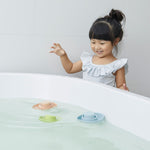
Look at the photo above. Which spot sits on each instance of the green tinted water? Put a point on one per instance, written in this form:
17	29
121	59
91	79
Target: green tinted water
20	129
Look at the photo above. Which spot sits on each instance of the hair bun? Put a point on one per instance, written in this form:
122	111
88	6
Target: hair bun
117	15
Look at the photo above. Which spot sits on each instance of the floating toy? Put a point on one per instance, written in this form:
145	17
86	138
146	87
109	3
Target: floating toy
90	117
48	118
44	105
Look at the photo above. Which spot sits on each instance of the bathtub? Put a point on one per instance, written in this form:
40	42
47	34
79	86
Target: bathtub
123	109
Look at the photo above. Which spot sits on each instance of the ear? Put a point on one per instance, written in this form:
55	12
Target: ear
116	41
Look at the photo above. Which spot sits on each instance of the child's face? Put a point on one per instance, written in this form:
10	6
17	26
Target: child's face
101	48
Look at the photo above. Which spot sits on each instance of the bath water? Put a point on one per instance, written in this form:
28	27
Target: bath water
21	129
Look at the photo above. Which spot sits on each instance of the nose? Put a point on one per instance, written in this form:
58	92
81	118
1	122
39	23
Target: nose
97	47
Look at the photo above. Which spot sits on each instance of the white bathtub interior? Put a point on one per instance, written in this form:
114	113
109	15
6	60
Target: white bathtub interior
121	108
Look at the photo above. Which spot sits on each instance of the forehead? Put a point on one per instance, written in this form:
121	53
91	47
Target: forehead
97	40
101	41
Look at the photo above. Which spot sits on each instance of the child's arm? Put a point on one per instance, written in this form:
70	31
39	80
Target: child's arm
120	79
67	64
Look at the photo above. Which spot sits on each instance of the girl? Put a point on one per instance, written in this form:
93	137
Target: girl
105	33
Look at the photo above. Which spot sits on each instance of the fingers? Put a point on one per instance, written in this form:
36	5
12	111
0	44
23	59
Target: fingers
56	45
59	45
125	87
57	49
53	47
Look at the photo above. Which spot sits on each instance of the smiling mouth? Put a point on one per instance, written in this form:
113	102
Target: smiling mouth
99	52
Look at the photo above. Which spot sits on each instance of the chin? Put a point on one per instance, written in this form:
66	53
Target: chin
100	56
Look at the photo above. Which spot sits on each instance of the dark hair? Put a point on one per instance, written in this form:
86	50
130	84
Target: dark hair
109	27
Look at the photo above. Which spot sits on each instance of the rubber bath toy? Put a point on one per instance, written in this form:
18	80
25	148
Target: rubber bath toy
90	117
48	118
44	105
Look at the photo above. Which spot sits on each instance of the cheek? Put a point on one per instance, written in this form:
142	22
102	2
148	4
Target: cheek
108	48
92	47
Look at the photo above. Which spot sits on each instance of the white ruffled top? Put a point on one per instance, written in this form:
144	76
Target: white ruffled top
101	73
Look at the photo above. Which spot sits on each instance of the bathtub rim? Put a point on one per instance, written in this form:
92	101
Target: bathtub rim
142	97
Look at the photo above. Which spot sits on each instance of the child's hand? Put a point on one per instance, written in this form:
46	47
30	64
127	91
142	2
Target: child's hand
124	87
58	50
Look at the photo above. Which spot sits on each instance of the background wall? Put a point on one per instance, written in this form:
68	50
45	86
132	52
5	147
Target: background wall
28	28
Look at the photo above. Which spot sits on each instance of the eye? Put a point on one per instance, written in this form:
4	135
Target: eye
102	43
93	42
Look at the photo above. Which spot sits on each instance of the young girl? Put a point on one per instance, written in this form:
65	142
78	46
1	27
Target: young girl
105	33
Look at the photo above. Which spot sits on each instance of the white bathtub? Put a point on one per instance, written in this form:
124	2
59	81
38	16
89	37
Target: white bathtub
126	110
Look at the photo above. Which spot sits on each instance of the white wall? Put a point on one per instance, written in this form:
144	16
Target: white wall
29	27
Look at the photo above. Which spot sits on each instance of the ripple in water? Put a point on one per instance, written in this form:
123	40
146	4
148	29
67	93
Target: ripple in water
21	128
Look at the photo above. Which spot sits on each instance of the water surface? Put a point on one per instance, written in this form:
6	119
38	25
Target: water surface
21	129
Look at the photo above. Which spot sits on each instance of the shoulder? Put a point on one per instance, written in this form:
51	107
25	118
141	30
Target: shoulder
121	63
85	57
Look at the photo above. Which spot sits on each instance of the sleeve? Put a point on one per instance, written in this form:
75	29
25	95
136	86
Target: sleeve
123	62
85	58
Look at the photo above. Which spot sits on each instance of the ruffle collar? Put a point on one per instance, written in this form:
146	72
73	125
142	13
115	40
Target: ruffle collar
102	70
